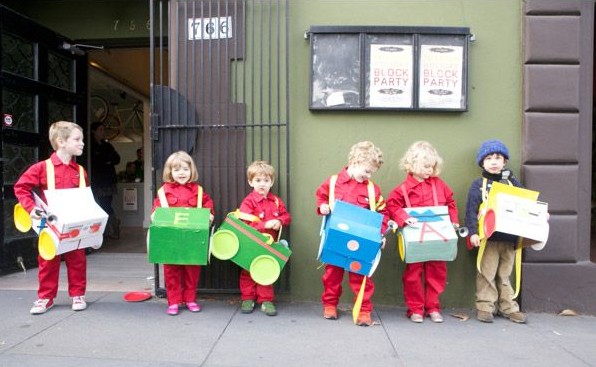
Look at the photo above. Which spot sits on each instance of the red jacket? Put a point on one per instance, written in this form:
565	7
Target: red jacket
183	196
352	192
265	208
35	179
420	194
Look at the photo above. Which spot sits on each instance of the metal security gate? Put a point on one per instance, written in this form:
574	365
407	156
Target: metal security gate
43	79
219	77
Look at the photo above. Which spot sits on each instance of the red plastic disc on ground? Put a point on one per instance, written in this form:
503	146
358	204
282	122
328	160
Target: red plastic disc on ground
136	296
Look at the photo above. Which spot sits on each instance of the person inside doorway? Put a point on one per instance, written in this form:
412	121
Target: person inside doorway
104	159
139	172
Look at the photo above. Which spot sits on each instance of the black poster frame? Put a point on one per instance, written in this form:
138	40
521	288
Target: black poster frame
389	68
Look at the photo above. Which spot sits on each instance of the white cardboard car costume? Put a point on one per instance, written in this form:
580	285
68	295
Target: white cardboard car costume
72	220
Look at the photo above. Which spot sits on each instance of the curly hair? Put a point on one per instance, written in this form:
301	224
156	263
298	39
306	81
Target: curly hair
419	154
365	152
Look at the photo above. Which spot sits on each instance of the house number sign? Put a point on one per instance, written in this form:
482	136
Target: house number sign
209	28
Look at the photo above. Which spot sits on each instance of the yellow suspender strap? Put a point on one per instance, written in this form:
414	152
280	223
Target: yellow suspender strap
371	193
358	303
161	194
371	196
200	196
483	238
518	267
246	216
51	175
332	182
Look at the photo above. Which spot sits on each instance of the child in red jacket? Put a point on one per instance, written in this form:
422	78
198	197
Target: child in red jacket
180	189
266	213
67	140
351	185
422	187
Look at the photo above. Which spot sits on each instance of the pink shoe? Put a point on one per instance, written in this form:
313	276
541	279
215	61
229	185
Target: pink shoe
193	306
172	310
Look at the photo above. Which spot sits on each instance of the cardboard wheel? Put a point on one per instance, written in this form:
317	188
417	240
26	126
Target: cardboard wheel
400	246
264	270
225	244
46	246
22	220
489	223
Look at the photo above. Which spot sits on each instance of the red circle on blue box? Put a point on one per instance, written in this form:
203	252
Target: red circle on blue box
7	120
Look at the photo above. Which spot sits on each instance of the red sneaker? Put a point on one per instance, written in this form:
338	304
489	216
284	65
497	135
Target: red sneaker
364	319
330	312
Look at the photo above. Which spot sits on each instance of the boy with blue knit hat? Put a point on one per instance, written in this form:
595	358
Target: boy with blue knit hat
494	293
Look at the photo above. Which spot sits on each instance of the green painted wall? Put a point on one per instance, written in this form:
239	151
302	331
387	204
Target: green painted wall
320	141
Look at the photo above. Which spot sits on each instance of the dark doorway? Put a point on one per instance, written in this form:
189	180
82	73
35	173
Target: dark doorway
43	79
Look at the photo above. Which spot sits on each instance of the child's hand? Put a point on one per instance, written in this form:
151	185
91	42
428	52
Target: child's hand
274	224
36	213
324	209
383	241
475	240
411	221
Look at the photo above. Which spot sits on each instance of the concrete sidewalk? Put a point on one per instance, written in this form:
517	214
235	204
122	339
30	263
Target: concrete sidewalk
112	332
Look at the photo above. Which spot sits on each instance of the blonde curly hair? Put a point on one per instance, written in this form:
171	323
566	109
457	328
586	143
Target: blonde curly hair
419	154
365	152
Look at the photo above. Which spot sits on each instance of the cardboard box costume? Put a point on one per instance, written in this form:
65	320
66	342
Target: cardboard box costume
351	238
250	249
432	238
179	235
61	228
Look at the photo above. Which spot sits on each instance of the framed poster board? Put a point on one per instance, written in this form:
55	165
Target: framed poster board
389	68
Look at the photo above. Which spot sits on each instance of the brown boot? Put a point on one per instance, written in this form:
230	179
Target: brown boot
484	316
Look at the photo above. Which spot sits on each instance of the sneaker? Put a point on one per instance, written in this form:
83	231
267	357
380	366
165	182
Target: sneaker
364	319
330	312
268	308
41	306
517	317
78	303
247	306
436	317
172	310
484	316
193	306
417	318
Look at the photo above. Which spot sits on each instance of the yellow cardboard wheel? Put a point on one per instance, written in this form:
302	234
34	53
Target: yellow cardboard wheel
264	270
22	220
46	246
225	244
400	246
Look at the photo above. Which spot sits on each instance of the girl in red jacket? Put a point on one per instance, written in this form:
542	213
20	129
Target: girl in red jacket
181	189
422	187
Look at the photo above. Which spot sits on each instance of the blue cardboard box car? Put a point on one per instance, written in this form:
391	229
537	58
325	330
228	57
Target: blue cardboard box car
351	238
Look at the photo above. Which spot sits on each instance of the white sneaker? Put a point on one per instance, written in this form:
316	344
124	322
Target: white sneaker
78	303
41	306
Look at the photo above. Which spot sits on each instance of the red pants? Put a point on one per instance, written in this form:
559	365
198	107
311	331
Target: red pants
250	290
332	280
49	273
423	297
181	283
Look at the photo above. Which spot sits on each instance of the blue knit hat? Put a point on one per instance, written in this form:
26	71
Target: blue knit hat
491	147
